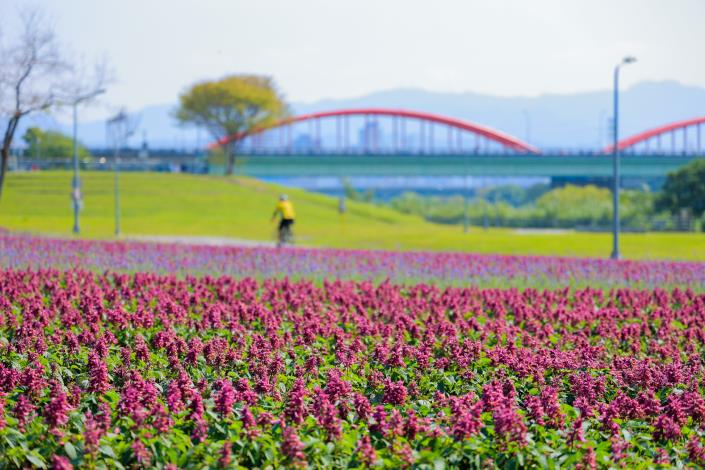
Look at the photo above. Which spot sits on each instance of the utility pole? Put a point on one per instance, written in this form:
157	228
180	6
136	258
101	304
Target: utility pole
615	160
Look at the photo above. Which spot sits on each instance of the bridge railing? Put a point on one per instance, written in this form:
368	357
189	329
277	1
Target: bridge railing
249	151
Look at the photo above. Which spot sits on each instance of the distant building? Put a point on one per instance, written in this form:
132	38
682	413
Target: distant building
370	136
303	143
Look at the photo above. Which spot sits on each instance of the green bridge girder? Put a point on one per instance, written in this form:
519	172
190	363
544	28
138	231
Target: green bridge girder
572	166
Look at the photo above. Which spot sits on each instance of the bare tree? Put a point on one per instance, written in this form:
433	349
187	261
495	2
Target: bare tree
35	76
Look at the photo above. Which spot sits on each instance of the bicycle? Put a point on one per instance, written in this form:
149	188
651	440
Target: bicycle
285	235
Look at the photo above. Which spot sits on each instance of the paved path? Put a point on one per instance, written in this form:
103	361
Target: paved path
199	240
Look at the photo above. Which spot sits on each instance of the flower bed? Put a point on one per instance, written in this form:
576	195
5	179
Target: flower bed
115	370
321	264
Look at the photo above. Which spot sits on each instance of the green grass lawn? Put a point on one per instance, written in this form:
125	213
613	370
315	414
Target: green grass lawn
237	207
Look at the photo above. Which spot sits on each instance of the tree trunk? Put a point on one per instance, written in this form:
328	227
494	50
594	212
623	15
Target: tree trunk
229	159
5	151
3	166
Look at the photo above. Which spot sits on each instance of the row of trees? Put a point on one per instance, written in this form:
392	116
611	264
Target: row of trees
680	203
41	143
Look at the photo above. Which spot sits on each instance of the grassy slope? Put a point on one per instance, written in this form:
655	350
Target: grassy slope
166	204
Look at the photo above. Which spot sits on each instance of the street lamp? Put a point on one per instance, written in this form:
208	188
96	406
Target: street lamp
119	129
615	159
76	182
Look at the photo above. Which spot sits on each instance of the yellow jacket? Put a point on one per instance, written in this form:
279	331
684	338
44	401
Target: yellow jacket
286	209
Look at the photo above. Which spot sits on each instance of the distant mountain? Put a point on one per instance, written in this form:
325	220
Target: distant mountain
155	124
548	121
577	120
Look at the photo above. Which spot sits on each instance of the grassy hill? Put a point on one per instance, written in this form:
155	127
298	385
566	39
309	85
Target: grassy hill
237	207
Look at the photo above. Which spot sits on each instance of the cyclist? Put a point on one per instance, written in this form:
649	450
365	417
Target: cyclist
285	209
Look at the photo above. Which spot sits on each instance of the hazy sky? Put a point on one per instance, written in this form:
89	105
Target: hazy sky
319	49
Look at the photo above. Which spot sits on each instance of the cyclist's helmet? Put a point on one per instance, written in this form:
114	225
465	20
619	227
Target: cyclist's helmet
283	197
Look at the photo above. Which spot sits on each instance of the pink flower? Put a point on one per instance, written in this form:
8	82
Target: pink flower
380	421
551	406
394	393
98	372
225	455
196	407
60	463
395	423
337	388
56	412
589	461
535	407
362	406
174	398
509	425
292	447
225	398
141	349
411	426
619	448
142	455
327	415
666	429
248	421
161	420
92	434
696	452
577	433
367	453
295	408
466	420
23	410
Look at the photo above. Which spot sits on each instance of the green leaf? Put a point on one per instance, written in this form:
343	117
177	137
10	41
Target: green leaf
70	450
107	450
36	460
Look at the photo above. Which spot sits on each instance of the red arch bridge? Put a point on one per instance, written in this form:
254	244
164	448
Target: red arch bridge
385	142
684	137
370	130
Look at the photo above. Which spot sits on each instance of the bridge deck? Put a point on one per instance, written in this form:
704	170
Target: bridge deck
634	166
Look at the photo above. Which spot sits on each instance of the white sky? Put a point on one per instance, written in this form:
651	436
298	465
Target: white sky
319	49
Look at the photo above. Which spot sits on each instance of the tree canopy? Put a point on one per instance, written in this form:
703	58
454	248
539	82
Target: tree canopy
685	189
230	108
50	144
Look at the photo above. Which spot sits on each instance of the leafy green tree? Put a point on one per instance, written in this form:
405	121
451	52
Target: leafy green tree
684	189
355	195
570	204
509	193
230	108
50	144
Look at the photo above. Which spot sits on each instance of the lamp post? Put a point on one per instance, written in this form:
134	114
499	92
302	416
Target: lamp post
76	182
119	129
466	219
615	159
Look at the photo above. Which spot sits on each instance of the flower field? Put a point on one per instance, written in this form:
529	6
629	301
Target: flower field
132	355
20	251
120	370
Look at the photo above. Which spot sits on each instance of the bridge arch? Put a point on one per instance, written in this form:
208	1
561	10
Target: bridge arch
657	132
508	141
